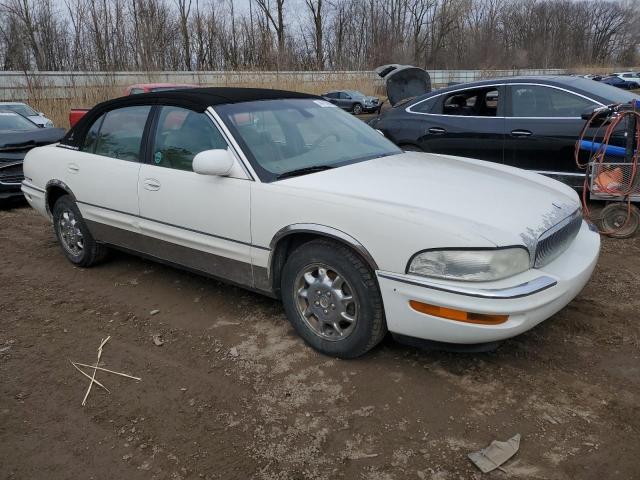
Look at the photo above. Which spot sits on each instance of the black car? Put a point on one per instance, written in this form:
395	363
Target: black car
18	135
353	101
526	122
625	84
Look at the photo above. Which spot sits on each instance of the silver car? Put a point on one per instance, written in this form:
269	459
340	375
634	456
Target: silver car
353	101
26	111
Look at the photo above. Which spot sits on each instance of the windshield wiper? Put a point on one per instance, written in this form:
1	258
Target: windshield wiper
303	171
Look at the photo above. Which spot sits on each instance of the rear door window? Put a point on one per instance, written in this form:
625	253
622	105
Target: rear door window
481	102
120	135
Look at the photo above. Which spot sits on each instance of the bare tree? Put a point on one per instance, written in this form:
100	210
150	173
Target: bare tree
184	9
317	14
276	19
325	34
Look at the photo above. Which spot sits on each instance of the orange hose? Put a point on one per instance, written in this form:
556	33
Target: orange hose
599	155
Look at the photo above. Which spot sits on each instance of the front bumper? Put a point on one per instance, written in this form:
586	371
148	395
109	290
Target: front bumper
36	197
528	298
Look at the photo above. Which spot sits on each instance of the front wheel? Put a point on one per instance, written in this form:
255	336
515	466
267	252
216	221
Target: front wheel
332	299
357	109
74	237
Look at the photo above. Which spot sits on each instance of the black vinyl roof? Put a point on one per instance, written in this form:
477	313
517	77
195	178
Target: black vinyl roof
197	99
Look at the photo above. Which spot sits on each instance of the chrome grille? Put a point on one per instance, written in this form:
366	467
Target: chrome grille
557	239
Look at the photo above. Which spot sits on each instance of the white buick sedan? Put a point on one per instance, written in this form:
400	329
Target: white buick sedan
285	194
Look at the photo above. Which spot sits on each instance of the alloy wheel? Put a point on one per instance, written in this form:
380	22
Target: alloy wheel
326	302
70	233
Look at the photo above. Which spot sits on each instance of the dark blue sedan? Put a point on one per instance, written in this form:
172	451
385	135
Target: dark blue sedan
527	122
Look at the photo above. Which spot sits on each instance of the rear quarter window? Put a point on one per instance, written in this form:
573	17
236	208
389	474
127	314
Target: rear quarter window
425	106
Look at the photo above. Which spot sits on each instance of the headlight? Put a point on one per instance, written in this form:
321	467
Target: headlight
471	265
48	124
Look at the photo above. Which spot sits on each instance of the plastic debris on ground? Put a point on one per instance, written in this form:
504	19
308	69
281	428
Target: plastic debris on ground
491	457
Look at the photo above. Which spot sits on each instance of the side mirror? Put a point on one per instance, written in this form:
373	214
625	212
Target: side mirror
213	162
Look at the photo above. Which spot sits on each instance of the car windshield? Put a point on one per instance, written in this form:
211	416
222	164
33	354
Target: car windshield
282	136
13	121
22	109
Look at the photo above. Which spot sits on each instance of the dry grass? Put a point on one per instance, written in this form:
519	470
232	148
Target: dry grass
56	102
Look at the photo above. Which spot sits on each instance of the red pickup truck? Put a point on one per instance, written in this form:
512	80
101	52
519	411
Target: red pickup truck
77	113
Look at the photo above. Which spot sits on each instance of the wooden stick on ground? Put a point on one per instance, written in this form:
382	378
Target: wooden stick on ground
78	364
89	377
93	377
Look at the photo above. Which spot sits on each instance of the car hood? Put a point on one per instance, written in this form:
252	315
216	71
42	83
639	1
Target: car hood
470	198
15	144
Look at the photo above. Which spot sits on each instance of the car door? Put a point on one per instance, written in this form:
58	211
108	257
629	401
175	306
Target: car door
543	124
103	173
198	221
332	97
467	123
345	101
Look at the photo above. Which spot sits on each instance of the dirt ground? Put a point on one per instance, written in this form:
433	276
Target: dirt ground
233	393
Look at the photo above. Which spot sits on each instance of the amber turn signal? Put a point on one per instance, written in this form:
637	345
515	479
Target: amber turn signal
458	315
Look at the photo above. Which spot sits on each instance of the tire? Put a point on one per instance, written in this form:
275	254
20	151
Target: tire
74	236
619	220
311	307
356	109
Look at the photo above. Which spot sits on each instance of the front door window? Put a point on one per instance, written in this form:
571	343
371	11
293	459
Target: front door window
181	135
537	101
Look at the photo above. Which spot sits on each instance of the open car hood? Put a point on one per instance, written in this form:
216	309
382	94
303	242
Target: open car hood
404	81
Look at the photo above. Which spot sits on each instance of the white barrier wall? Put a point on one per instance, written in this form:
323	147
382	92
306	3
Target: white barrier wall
17	85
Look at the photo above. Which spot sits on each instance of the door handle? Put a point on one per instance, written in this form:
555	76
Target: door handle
521	133
437	130
151	184
73	168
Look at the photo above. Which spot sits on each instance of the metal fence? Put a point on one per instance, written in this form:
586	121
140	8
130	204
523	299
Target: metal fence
22	85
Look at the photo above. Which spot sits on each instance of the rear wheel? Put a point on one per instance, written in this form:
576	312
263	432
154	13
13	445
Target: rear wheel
332	299
74	237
